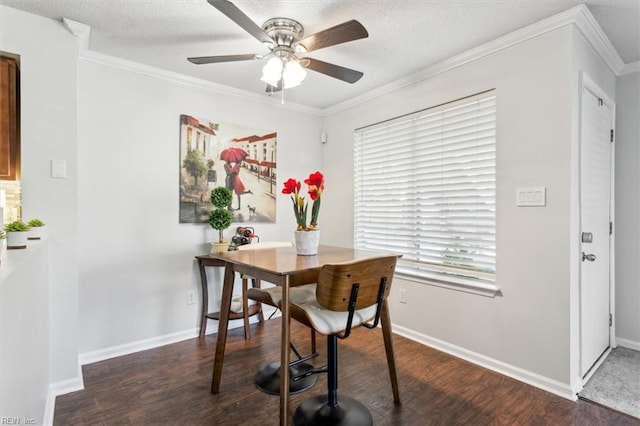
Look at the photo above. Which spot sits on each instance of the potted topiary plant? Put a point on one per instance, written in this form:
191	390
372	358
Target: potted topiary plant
220	218
35	229
16	235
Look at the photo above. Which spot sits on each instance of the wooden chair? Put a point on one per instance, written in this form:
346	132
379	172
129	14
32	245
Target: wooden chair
348	295
268	377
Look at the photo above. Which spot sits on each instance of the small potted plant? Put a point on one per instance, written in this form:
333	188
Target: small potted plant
35	229
220	218
307	237
16	235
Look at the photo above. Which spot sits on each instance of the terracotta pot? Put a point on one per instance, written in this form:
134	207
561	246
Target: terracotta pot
219	247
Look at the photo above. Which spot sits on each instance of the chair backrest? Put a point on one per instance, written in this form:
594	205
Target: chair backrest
336	280
265	245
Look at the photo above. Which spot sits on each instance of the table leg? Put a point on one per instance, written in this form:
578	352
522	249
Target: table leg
223	323
205	299
284	354
385	319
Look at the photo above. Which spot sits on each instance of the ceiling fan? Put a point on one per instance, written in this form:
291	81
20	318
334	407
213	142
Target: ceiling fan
284	38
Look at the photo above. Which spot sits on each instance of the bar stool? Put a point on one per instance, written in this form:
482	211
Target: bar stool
267	378
347	296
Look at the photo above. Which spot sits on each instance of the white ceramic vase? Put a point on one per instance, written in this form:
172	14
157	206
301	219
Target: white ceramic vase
307	242
16	240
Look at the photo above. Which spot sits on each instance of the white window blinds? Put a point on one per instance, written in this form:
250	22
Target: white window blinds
425	187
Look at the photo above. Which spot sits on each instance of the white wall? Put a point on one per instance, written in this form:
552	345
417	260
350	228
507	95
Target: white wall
627	220
526	331
24	333
136	260
48	82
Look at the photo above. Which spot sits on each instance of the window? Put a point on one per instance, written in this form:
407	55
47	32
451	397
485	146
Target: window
425	187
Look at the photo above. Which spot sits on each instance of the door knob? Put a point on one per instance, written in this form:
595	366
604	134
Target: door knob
589	257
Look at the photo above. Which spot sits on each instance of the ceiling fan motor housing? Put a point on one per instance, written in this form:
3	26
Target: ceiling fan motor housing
284	31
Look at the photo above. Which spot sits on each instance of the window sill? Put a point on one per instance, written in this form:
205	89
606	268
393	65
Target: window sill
487	290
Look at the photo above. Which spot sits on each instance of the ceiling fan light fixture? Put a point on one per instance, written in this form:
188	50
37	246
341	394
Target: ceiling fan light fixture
272	71
293	74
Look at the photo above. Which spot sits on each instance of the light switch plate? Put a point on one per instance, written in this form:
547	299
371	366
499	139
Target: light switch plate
58	169
531	197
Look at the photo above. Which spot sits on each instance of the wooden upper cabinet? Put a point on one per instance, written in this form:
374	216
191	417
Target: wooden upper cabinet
9	120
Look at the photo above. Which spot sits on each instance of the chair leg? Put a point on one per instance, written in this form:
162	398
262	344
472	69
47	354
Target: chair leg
385	320
329	409
245	308
257	284
332	370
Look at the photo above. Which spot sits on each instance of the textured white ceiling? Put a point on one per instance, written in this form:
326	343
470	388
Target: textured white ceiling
405	36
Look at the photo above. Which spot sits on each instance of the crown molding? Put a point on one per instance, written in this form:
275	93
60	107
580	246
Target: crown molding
630	68
589	27
83	33
580	16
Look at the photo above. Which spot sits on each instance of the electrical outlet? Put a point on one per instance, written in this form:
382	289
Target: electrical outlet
402	295
191	297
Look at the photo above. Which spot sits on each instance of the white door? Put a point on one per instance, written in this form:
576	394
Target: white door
595	199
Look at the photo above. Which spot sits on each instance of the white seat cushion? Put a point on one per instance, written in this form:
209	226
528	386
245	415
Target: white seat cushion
331	322
273	295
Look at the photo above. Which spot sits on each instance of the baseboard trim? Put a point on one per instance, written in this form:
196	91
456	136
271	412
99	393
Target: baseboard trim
60	388
528	377
630	344
154	342
140	345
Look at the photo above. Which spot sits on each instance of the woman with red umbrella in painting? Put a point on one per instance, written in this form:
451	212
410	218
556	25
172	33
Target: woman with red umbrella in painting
233	158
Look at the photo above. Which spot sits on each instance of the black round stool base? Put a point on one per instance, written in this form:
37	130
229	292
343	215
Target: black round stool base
267	379
316	411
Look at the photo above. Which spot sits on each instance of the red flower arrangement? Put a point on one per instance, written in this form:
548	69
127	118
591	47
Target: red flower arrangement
315	183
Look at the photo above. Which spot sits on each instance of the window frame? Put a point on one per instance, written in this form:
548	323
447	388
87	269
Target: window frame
425	260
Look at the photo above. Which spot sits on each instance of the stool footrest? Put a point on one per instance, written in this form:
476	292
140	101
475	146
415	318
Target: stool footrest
267	379
317	411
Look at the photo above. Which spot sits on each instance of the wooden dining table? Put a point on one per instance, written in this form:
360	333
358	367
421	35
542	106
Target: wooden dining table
280	266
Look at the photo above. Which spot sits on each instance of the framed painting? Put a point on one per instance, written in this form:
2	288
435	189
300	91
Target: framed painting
238	157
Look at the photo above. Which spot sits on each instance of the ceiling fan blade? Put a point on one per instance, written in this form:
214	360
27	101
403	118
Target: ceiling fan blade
200	60
237	16
347	31
335	71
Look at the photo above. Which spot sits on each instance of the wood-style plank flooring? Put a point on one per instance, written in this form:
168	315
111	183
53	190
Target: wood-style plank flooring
170	386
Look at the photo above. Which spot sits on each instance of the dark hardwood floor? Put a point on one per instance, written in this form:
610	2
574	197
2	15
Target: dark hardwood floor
170	386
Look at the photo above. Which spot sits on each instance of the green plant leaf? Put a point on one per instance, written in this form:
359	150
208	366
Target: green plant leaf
16	226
